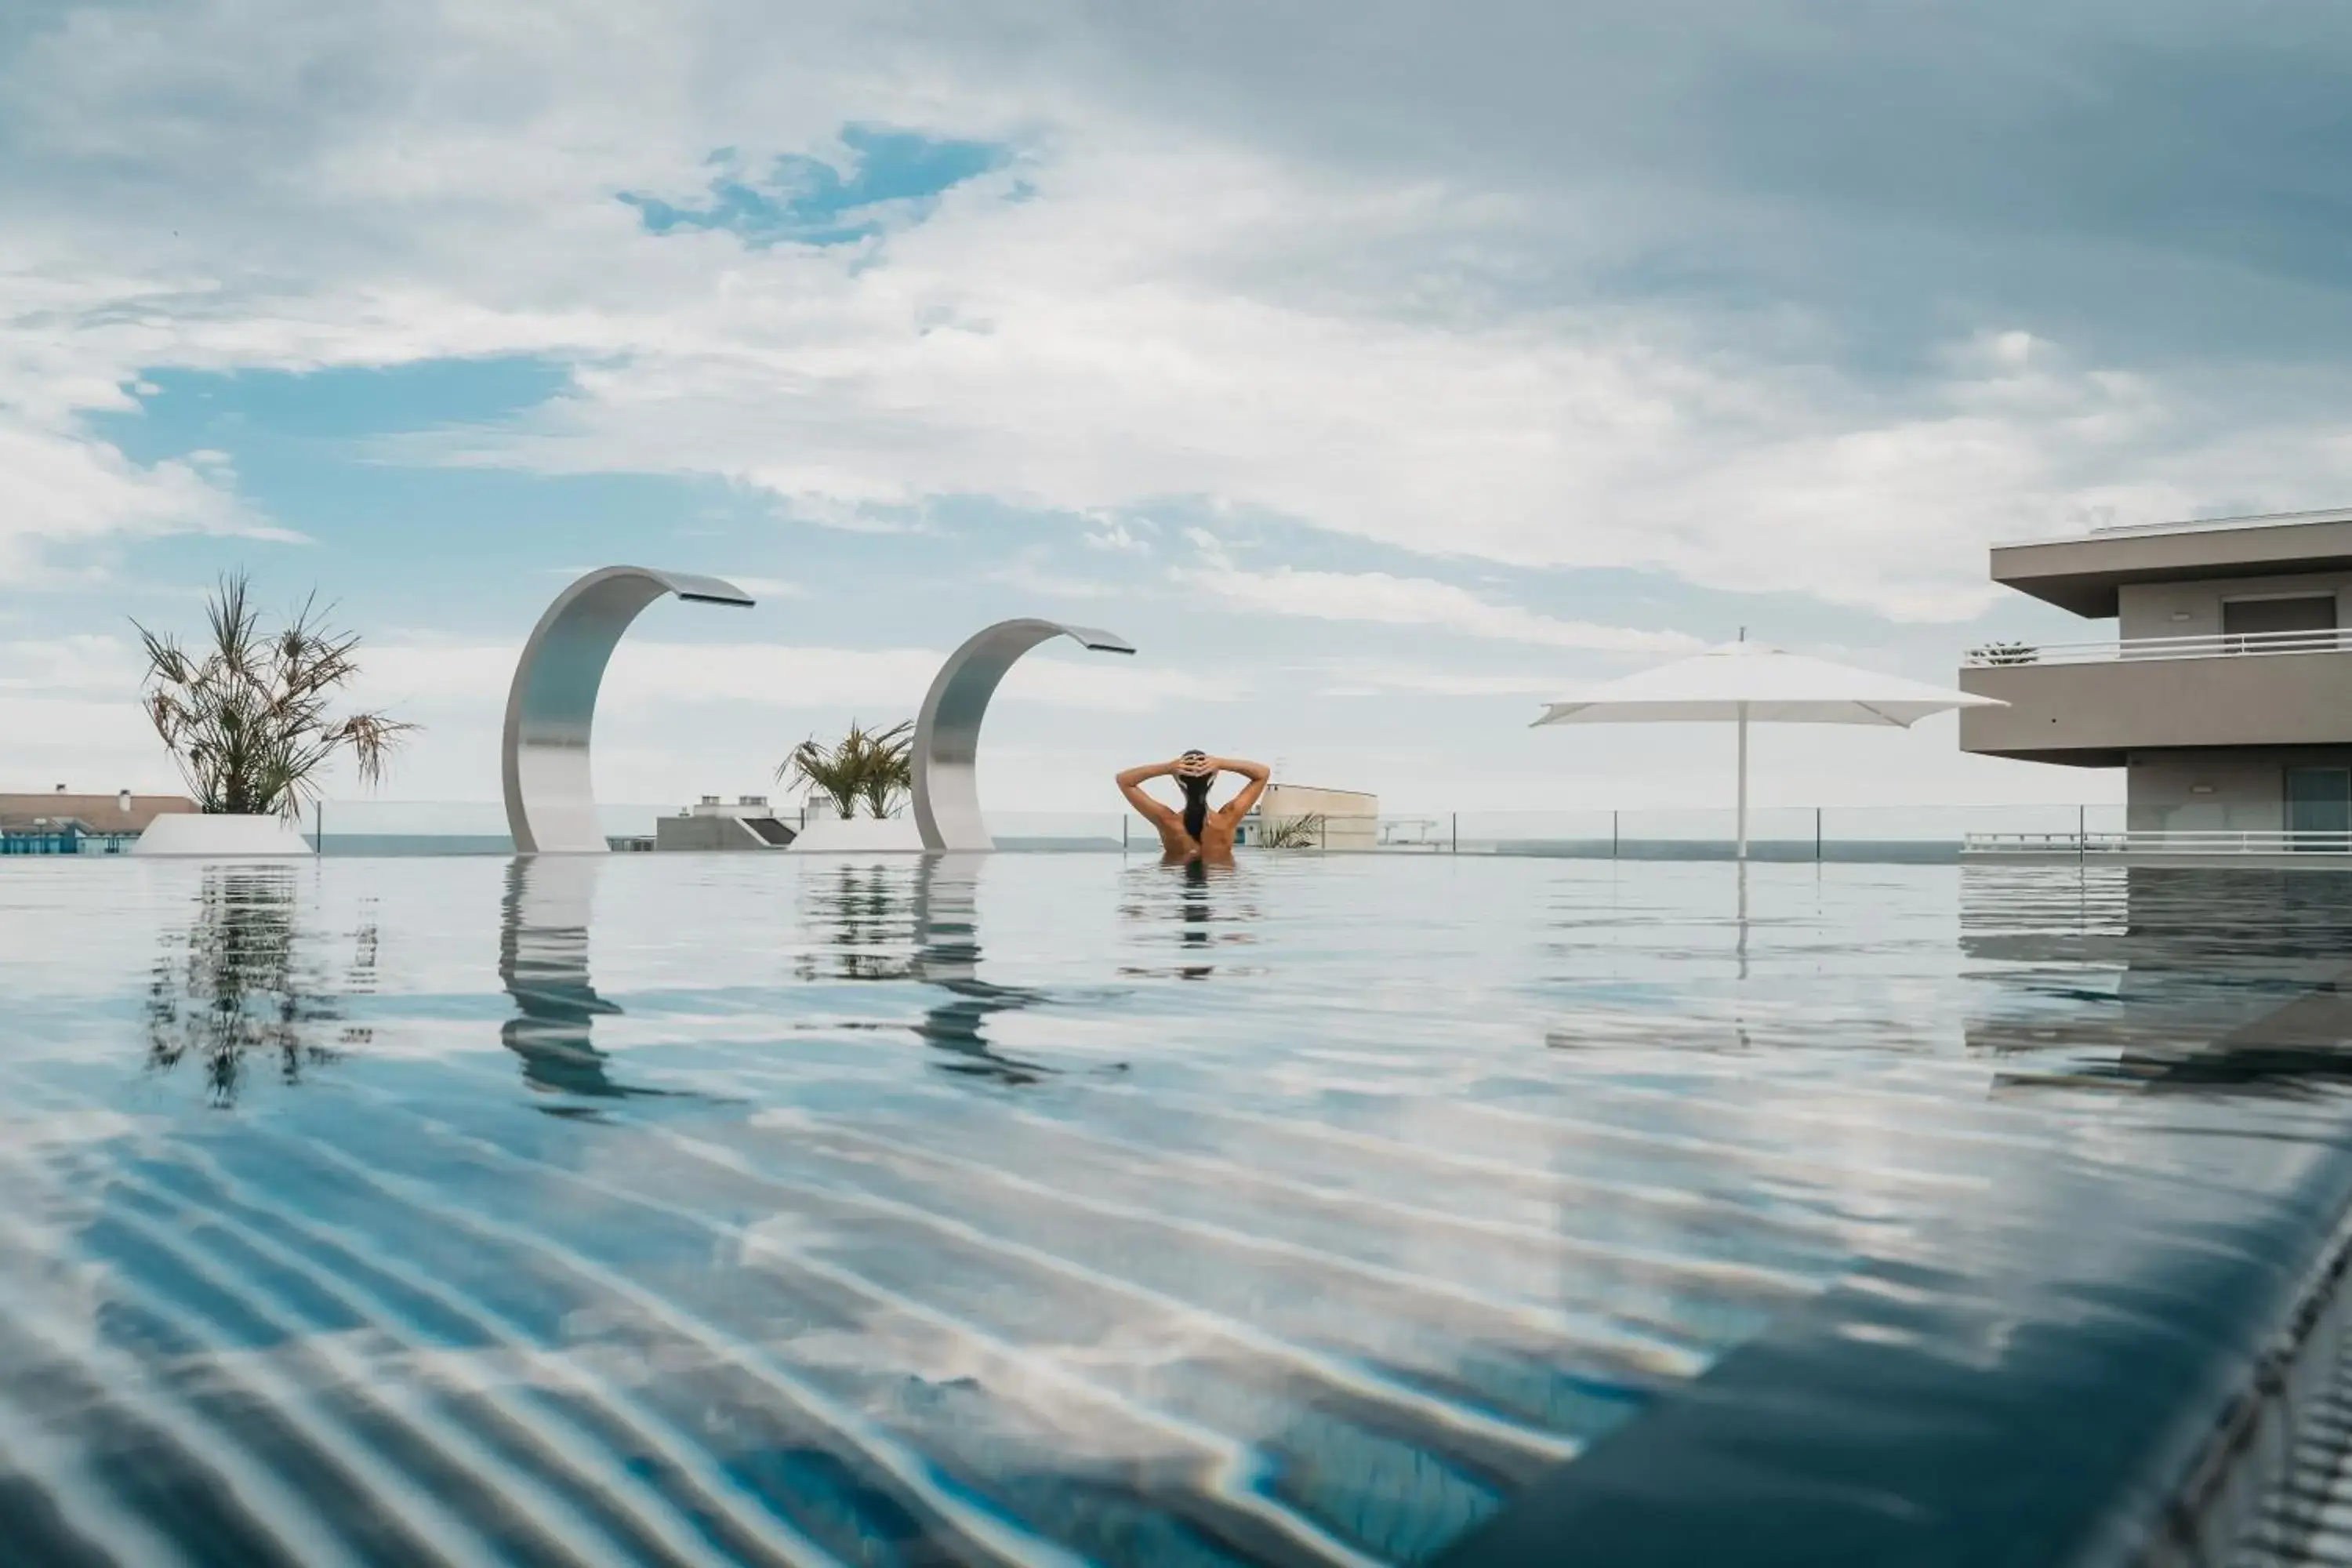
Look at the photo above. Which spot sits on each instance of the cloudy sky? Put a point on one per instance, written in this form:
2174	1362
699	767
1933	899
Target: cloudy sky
1379	369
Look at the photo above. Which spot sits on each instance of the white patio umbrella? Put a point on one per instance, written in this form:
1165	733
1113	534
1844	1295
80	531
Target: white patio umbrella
1743	681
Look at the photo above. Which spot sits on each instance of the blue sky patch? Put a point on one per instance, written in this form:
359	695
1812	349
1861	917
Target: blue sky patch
809	201
188	409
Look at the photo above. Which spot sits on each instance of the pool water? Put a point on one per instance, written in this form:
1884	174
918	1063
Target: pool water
1066	1208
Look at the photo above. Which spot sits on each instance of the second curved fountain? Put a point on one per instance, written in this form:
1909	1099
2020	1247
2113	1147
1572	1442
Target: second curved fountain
947	731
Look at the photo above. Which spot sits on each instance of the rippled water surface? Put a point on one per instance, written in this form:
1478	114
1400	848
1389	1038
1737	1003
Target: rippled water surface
1046	1208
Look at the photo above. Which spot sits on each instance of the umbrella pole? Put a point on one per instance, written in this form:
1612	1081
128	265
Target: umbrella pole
1743	783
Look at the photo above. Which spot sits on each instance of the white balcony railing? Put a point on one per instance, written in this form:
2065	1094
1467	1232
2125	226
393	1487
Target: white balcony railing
2220	843
2218	644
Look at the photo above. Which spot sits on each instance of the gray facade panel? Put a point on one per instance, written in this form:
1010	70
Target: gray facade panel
2195	607
2131	705
2220	790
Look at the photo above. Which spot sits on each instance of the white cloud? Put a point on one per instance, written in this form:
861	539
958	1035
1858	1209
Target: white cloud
85	663
1114	533
1029	577
1379	598
1380	678
1181	309
90	741
652	677
59	487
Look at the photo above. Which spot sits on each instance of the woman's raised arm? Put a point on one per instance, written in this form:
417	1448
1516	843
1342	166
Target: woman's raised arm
1258	775
1130	784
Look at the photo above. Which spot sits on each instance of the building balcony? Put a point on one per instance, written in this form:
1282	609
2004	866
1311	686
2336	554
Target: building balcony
2089	703
2222	645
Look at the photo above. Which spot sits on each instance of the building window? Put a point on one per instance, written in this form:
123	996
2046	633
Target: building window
2319	807
2270	622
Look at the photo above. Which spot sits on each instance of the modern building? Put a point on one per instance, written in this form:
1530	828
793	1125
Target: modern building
749	821
1341	818
2225	694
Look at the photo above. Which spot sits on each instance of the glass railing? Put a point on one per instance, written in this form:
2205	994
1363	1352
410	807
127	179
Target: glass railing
1878	833
371	826
1869	833
2211	645
2219	843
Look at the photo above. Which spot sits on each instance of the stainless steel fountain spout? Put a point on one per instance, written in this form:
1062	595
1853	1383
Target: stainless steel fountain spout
947	732
551	796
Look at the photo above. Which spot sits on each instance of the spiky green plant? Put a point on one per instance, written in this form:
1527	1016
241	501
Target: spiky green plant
248	717
875	767
1294	832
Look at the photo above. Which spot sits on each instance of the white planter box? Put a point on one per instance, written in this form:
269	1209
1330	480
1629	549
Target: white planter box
858	835
221	838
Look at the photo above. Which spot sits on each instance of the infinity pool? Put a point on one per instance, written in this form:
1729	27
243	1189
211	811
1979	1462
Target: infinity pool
1065	1208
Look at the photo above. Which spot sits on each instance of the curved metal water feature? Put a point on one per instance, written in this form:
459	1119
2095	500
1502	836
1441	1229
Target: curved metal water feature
947	732
551	797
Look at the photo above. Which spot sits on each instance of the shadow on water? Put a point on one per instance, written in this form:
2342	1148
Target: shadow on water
543	963
233	987
2161	979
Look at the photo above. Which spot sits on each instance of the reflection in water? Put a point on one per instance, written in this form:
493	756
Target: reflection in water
1343	1266
947	927
2160	979
1196	917
231	986
866	913
1199	906
543	963
918	920
1743	932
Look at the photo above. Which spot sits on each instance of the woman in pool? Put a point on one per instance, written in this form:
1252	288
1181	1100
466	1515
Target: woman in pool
1195	833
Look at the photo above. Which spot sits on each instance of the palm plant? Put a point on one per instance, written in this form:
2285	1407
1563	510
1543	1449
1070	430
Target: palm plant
247	717
1293	832
875	767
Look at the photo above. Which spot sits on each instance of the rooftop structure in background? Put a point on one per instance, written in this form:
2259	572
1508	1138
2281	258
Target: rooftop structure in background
1343	818
2223	694
749	821
120	813
2086	572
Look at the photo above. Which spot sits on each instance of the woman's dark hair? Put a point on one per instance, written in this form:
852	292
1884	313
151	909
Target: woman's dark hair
1196	803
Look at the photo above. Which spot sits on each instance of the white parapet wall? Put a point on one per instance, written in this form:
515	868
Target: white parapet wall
859	836
222	837
1350	818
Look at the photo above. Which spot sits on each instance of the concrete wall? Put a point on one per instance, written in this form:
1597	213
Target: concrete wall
2209	791
2185	791
1299	800
2193	608
2095	713
726	831
1350	817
